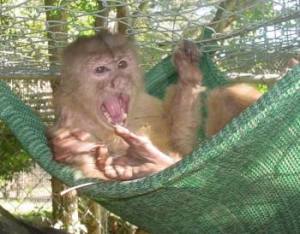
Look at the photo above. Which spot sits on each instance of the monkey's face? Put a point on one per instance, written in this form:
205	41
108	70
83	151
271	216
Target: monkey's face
114	77
106	77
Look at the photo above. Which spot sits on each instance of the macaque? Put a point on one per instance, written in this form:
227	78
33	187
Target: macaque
108	127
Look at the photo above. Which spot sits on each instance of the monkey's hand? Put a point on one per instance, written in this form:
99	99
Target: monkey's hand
67	143
186	59
142	158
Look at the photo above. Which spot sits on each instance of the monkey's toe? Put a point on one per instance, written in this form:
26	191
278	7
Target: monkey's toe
110	172
118	172
124	173
187	52
191	51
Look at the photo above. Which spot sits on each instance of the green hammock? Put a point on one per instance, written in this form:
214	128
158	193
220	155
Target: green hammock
244	180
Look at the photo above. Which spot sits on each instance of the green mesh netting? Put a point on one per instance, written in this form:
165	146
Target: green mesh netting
244	180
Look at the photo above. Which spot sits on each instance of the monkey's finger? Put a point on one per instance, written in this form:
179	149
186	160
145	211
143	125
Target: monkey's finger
118	172
128	173
110	172
101	157
130	137
61	157
121	130
60	134
153	155
80	134
134	172
101	150
86	147
66	143
73	145
144	169
58	141
113	169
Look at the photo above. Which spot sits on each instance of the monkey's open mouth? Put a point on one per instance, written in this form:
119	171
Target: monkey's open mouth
115	108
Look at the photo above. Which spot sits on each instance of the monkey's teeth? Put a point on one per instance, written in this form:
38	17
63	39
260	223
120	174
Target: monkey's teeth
110	119
107	116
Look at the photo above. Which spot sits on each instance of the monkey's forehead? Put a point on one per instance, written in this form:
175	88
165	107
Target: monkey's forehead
106	55
109	44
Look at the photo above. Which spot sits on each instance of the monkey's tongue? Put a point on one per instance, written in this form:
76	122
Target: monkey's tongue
114	106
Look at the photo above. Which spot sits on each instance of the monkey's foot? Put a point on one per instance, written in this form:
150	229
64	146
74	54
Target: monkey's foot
142	158
67	143
122	168
186	59
188	52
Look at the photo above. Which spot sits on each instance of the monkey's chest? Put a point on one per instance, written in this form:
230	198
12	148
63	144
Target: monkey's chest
157	130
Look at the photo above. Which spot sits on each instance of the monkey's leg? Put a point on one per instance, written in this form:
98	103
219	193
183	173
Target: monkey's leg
64	142
184	105
227	102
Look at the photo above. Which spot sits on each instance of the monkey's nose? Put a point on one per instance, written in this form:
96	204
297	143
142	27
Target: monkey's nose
119	82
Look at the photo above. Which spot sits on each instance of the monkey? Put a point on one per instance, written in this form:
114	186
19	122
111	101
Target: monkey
109	127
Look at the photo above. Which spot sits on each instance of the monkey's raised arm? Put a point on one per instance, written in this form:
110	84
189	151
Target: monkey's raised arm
183	99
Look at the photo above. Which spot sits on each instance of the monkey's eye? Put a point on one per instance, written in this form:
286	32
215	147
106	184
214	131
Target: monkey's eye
101	69
122	64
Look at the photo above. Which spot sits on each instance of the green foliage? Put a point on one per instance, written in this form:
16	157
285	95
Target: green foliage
261	11
40	218
262	88
82	25
13	158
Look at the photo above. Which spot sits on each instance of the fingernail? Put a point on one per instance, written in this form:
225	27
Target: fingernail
120	129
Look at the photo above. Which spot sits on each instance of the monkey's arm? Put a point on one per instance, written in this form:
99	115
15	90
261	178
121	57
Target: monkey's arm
183	100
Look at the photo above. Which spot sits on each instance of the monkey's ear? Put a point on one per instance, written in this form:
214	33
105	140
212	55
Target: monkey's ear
131	41
70	50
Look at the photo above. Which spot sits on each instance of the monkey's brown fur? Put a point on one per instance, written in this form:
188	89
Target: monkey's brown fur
226	103
168	125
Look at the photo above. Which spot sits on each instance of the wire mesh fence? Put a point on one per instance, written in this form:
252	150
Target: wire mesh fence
251	39
262	32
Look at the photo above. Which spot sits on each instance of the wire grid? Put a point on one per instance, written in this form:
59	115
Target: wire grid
264	35
260	44
37	94
27	191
